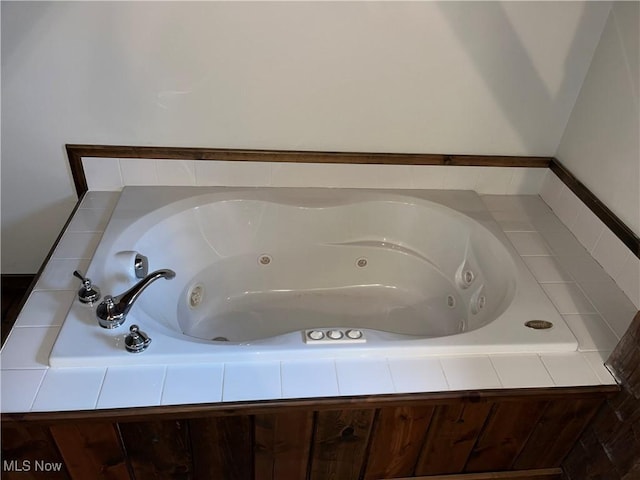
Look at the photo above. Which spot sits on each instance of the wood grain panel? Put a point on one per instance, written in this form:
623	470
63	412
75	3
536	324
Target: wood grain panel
509	426
538	474
22	447
158	450
557	431
282	444
397	440
452	434
91	450
222	447
340	444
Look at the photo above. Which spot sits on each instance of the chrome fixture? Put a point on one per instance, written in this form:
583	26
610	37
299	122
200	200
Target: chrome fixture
137	341
141	265
88	293
112	311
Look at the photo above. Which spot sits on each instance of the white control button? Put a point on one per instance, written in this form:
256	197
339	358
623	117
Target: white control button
354	334
316	335
334	334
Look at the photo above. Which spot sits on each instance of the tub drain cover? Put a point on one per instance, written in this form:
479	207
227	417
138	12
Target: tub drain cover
538	324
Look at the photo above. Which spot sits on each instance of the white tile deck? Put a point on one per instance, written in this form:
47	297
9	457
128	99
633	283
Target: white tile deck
69	389
29	385
364	376
570	369
251	381
568	298
28	347
306	379
192	384
592	332
19	389
417	375
45	309
516	371
470	373
132	387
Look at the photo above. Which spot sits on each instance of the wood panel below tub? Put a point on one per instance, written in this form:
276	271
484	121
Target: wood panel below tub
464	435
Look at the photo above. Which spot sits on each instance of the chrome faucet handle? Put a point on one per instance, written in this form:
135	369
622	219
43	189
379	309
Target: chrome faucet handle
88	293
137	341
108	314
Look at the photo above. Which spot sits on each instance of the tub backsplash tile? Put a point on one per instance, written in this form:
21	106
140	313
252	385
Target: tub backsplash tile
136	171
112	174
526	181
587	227
629	279
176	172
103	173
233	174
596	238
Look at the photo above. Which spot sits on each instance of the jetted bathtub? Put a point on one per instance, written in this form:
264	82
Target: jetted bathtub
283	273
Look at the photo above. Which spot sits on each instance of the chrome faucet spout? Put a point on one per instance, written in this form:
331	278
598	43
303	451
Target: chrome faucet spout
112	311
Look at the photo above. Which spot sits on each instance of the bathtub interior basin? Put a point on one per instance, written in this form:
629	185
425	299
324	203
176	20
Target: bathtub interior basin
288	272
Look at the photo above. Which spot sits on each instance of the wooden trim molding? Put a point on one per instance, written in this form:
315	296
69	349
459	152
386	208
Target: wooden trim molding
610	219
77	152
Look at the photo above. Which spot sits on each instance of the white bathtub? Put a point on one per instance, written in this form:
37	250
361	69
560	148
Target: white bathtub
281	273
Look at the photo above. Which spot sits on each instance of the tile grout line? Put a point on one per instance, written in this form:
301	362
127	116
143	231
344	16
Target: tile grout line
35	395
104	376
548	371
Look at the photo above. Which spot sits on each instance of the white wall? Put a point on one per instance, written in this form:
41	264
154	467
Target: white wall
479	78
601	144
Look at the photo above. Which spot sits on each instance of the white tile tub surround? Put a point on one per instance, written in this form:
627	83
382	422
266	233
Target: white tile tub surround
574	281
54	392
306	379
516	371
596	238
364	376
251	381
131	387
28	384
568	369
416	374
192	384
111	174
